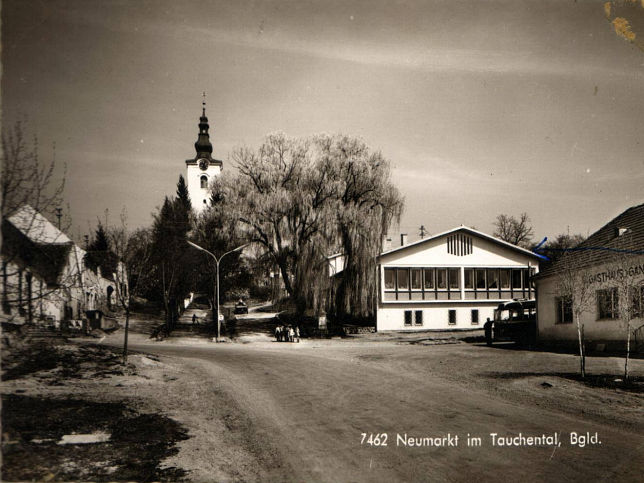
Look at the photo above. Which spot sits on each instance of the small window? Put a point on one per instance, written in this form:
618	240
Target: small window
403	278
390	278
429	278
418	317
407	317
607	303
204	182
475	316
564	310
452	317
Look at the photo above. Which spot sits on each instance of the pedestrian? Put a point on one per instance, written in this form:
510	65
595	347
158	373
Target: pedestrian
291	334
194	319
278	333
297	332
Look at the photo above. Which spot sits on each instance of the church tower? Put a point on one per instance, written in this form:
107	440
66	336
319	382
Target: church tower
202	169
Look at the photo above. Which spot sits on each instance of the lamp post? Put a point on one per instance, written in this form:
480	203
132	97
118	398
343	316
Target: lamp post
217	260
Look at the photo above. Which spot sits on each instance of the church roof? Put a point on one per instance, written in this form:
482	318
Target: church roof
203	146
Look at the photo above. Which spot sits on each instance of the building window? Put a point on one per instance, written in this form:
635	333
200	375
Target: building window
480	279
505	278
607	303
429	279
390	278
637	302
418	317
452	317
403	278
454	278
516	279
416	274
475	316
469	278
407	317
204	182
493	278
564	310
442	278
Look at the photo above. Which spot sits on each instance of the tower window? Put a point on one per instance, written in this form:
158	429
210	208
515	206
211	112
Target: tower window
204	182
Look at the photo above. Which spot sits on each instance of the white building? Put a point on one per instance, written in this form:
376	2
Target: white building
201	170
453	280
604	278
45	276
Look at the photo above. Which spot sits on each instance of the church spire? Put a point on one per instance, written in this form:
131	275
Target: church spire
203	146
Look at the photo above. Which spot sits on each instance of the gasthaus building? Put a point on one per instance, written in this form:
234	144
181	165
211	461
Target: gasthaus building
453	280
604	275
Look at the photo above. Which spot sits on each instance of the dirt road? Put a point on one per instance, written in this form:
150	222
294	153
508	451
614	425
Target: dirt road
308	405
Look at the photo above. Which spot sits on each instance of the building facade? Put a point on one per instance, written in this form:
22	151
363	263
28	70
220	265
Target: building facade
602	282
451	281
45	277
202	169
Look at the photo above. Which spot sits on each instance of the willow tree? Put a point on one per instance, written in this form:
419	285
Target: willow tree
364	205
301	199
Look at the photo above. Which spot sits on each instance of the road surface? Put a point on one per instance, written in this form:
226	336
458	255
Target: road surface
311	404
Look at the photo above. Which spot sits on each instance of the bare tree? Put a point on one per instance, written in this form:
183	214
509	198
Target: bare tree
29	189
629	288
132	251
26	179
575	289
512	230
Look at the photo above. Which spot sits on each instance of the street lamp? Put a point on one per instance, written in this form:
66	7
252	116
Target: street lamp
217	260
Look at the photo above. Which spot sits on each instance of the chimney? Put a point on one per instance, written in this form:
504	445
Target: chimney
386	243
403	239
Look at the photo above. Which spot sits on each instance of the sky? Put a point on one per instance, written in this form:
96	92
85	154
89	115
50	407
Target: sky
482	107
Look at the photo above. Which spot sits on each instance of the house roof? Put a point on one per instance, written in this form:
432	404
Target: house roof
37	228
606	242
467	230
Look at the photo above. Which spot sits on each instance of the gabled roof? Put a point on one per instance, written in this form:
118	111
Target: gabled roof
37	228
47	260
467	230
607	242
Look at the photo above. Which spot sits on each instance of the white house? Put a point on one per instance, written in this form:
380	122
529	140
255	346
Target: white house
44	273
452	280
603	280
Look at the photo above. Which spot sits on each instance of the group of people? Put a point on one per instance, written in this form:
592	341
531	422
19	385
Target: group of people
286	333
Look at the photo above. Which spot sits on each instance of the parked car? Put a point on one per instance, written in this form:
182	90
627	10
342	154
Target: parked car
241	307
514	321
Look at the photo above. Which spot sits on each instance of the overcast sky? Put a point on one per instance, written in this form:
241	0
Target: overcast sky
482	107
